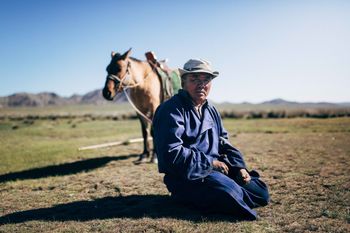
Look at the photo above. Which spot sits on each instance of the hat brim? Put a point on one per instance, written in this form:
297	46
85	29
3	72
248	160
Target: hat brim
183	72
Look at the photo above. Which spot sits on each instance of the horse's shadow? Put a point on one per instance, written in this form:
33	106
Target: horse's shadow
134	206
63	169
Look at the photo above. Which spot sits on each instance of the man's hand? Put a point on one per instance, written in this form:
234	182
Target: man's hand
220	166
244	176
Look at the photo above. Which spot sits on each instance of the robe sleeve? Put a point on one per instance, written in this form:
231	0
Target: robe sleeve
174	157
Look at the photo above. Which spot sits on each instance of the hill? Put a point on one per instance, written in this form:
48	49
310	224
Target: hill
42	99
305	104
280	104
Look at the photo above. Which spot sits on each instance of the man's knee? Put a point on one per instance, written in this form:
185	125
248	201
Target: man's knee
259	192
265	197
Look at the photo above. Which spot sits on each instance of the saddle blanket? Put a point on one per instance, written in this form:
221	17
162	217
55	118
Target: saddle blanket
171	82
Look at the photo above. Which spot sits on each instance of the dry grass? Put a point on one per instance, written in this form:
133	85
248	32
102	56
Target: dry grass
306	163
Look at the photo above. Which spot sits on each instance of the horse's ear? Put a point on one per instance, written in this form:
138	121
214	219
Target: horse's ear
126	54
112	54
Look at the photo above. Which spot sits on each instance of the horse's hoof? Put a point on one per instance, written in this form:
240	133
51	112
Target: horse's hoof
154	160
140	161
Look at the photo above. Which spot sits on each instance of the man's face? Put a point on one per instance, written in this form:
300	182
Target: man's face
198	86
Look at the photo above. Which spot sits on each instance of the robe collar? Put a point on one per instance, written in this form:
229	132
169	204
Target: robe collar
206	122
186	96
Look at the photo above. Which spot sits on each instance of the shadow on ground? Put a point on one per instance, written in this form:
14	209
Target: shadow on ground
134	206
63	169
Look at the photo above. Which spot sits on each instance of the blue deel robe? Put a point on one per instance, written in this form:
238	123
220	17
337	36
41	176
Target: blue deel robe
186	144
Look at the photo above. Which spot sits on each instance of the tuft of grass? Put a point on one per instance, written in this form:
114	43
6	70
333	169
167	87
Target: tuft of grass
330	214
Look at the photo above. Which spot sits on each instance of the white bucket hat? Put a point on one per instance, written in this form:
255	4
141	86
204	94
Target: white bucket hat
197	66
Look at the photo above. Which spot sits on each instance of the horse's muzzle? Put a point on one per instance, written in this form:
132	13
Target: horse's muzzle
107	94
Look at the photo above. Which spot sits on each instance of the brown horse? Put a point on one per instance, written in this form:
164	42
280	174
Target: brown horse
125	72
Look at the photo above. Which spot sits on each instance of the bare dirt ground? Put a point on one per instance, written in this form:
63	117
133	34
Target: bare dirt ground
306	164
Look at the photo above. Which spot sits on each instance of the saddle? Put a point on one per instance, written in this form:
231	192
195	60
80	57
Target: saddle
170	79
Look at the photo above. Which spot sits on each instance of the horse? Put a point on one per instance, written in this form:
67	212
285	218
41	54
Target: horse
145	89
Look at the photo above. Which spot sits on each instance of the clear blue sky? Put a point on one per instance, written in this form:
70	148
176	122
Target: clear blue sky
295	50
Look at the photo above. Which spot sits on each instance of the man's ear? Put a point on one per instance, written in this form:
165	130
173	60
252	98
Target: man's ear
126	54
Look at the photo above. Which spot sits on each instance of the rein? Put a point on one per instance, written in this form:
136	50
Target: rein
124	87
136	109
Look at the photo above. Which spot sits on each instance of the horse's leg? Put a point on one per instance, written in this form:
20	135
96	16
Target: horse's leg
154	158
145	135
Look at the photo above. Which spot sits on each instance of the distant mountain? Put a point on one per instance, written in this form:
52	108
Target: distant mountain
283	102
27	99
345	104
278	101
47	98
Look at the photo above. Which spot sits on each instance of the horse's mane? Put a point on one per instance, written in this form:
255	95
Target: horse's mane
117	56
135	59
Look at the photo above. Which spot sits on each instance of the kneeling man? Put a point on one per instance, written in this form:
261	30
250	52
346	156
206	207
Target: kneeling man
201	167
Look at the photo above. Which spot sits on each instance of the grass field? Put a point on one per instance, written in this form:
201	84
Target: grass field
47	185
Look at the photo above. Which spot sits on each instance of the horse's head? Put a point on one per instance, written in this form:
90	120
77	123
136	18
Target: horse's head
117	72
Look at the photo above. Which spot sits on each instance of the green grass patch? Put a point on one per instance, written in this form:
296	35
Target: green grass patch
50	142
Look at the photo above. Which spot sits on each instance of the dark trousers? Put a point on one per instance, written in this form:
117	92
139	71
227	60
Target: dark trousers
219	193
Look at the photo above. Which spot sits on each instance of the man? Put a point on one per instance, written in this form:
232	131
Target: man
201	167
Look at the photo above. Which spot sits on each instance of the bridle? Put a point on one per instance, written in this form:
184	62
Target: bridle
120	80
123	87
